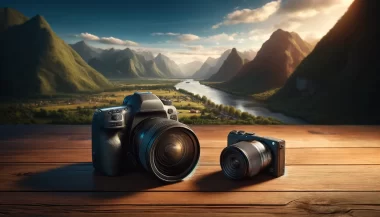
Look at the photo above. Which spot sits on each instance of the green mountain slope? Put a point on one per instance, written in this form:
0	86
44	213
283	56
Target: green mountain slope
10	17
124	64
338	83
273	64
34	60
168	66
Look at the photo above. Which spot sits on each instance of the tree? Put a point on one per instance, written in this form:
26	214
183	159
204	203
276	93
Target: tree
231	110
204	99
244	115
237	113
225	109
220	107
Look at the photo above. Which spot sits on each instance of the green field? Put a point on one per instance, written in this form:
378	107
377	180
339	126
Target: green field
79	108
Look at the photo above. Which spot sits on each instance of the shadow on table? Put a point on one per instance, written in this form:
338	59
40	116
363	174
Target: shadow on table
217	181
81	177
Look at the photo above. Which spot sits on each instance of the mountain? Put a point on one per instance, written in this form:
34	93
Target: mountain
34	60
274	63
85	51
201	73
211	66
338	83
230	67
219	62
190	68
168	66
146	54
114	63
125	63
10	17
153	70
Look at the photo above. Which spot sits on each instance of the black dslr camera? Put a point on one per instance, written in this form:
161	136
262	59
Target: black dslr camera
247	154
145	132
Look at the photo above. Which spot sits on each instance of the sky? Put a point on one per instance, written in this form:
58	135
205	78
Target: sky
184	30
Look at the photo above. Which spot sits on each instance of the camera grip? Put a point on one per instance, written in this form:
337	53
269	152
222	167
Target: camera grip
109	152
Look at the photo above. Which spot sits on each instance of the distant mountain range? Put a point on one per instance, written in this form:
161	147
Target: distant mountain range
274	63
85	51
146	54
190	68
34	60
168	67
339	82
125	63
128	63
211	66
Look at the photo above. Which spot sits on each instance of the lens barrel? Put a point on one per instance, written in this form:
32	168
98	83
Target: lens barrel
244	159
167	148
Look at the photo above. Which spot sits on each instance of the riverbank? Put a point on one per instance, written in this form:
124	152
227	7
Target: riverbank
262	97
245	103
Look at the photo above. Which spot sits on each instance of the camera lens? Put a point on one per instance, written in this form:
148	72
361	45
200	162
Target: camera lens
244	159
167	148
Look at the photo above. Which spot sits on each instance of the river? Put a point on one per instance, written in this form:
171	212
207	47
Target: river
245	104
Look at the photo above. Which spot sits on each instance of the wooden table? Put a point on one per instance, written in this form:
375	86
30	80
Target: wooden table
330	171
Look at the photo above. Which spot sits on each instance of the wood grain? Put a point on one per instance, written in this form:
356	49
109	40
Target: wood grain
189	198
57	136
209	156
330	171
80	177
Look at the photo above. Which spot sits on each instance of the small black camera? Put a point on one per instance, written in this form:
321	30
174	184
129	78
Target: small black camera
247	154
145	132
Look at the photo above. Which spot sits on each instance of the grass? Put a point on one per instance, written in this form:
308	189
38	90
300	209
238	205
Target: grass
186	113
145	81
71	102
265	95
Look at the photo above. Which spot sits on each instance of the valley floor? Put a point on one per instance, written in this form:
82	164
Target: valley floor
78	108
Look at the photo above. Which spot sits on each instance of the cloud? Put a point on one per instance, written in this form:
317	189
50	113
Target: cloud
188	37
250	15
288	25
260	34
311	37
168	33
193	47
221	37
241	40
179	36
107	40
308	8
117	41
88	36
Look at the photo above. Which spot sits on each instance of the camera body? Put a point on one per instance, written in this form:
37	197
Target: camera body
112	148
276	147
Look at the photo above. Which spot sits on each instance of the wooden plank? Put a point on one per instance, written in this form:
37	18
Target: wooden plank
175	211
55	136
80	177
190	204
206	211
189	198
209	156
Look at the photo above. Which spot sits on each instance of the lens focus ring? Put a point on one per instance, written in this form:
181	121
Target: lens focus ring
244	159
234	163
